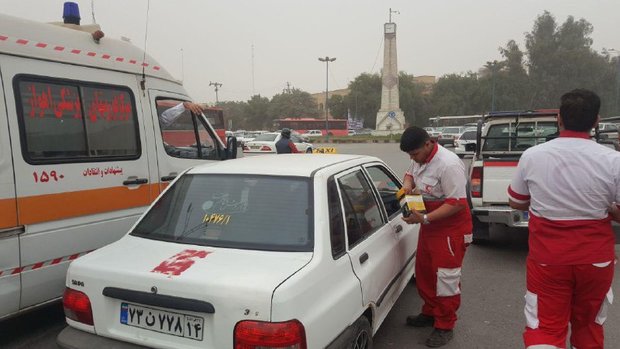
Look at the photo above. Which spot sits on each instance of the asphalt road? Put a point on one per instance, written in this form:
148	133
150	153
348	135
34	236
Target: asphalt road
493	286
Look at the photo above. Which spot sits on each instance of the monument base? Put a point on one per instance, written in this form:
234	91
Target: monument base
390	122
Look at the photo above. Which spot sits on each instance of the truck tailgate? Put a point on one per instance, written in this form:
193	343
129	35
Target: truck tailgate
497	178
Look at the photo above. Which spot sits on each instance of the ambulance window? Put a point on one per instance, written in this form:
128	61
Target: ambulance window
70	121
111	123
180	131
52	119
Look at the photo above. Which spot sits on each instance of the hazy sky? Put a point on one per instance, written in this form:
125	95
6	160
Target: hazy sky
215	38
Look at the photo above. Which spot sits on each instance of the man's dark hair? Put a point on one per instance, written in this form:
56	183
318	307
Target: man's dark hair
413	138
579	110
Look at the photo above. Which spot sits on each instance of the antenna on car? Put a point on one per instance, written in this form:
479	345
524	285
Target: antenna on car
146	35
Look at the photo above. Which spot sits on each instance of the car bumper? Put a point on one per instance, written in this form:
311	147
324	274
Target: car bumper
71	338
502	214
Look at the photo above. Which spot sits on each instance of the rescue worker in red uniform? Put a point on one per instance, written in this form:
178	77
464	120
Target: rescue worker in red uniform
571	186
439	176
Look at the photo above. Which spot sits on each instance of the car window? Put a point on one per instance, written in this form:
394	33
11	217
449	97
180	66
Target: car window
468	135
233	211
362	214
179	129
387	187
513	137
266	137
295	139
451	130
336	221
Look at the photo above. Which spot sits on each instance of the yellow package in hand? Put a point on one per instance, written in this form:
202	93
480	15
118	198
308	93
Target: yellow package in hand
415	202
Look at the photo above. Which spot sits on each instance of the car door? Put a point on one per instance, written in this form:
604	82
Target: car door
371	242
10	283
176	137
387	184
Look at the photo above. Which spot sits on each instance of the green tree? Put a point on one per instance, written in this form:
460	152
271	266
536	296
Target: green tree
235	112
561	58
296	103
415	105
364	98
257	113
338	107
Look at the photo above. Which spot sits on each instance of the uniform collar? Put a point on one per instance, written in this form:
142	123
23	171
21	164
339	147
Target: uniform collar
432	154
575	134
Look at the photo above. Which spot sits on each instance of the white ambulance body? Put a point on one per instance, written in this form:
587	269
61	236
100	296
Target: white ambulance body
82	150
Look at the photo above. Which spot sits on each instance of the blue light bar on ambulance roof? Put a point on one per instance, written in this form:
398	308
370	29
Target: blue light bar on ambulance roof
71	13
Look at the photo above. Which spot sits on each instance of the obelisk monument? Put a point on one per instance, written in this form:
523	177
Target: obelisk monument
390	118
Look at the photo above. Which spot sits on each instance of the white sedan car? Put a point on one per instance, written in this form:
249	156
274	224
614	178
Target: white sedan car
266	143
465	143
250	254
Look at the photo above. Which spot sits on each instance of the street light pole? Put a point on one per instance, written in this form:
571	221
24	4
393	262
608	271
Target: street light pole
327	60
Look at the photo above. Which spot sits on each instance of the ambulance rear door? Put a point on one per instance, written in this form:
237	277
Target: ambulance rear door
81	164
10	281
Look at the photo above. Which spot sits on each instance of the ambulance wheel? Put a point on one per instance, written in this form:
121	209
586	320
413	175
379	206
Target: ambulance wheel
480	232
363	334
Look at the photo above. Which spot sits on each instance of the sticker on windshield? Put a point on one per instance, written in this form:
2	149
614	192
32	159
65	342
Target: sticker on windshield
180	262
216	218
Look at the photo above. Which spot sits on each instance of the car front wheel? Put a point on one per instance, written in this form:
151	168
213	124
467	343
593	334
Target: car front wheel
309	150
363	334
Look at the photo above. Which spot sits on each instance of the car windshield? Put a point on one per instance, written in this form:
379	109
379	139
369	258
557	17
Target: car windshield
468	135
233	211
266	137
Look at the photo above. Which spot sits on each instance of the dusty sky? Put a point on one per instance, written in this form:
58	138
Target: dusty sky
200	41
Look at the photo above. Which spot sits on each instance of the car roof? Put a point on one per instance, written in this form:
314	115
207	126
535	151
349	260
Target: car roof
303	165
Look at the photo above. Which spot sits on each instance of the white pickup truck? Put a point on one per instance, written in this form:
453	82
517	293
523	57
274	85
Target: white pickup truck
501	139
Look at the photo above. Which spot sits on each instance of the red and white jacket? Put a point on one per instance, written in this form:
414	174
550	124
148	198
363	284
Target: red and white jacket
570	183
442	179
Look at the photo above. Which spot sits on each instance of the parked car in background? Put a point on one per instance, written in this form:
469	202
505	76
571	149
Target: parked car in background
266	143
449	134
608	130
465	143
251	254
434	132
352	133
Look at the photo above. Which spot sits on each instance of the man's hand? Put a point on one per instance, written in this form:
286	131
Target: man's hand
414	217
193	107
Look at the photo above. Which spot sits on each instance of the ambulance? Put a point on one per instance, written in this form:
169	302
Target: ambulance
83	150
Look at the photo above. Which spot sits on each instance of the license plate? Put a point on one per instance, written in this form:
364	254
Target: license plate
526	215
255	147
176	324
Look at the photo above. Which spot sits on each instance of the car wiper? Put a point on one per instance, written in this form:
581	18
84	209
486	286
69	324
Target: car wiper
193	229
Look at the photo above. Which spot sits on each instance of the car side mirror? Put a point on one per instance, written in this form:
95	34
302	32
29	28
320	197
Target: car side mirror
231	147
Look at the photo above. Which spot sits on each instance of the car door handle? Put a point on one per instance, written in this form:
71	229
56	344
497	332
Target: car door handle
363	258
399	228
135	181
169	177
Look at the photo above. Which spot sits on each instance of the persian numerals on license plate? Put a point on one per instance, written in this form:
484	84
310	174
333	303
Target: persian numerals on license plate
176	324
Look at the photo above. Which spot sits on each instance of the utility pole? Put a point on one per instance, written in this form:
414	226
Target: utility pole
217	88
327	60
